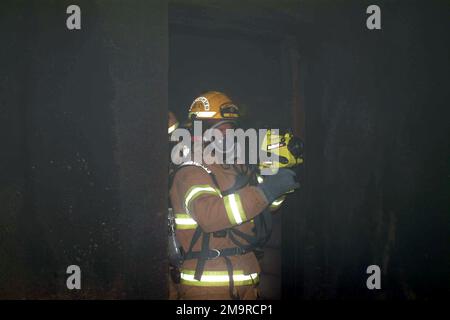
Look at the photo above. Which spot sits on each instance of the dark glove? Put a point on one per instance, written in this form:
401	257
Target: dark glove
276	185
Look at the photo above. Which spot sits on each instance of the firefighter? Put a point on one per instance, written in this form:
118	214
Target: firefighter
222	215
173	123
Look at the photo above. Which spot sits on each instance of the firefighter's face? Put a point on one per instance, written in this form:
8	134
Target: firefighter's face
222	144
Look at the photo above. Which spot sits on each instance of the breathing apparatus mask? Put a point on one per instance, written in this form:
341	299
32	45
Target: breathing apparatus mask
270	149
225	146
287	148
277	149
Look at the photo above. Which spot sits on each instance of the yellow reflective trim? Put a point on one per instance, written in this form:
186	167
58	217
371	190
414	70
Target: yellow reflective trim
241	208
184	221
182	215
235	211
277	203
173	127
197	190
212	273
259	178
205	114
186	227
229	211
218	278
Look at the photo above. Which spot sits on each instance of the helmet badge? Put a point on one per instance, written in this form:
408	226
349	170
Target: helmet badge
204	101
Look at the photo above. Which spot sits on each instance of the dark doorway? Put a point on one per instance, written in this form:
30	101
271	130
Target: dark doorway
247	68
250	63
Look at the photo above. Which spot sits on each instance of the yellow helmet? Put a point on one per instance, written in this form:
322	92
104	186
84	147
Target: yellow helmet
213	105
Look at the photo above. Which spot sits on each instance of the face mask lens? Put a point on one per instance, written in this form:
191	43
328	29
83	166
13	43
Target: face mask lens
223	145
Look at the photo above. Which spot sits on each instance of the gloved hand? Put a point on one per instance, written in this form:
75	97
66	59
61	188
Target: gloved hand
276	185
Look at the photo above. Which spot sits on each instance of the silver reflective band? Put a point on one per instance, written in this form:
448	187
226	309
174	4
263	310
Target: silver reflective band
185	221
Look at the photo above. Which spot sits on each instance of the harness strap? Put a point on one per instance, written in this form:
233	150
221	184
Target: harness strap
195	237
230	276
203	257
263	227
252	240
212	254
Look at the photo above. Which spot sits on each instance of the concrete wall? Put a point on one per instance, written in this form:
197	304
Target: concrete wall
83	166
376	175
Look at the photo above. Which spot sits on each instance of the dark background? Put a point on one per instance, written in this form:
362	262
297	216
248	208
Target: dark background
83	166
